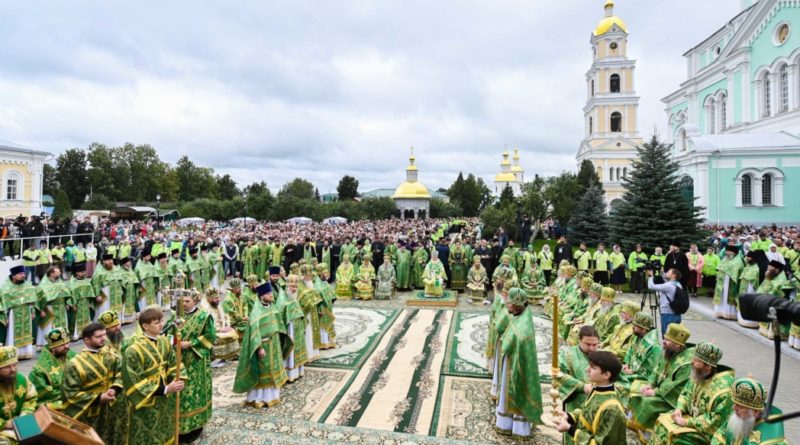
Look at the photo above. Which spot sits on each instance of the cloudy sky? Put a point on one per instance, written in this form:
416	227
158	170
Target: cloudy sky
276	89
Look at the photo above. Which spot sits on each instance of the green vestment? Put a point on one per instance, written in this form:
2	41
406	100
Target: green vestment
763	434
147	274
600	420
385	280
705	405
148	366
264	330
47	375
403	266
198	329
20	299
83	297
345	275
130	292
15	401
731	269
518	350
87	375
310	300
668	382
434	278
290	312
109	284
53	298
573	363
237	310
642	358
458	268
363	282
419	260
620	340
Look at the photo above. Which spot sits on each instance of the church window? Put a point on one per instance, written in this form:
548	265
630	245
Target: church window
766	189
747	190
782	34
618	176
765	112
615	83
611	174
624	172
723	111
783	75
11	189
592	87
590	126
616	122
712	117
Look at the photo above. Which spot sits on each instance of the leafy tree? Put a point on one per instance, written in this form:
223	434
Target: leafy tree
561	193
102	172
287	206
226	187
589	222
379	208
533	199
50	180
347	188
442	209
494	217
71	175
297	188
63	209
260	201
98	201
506	196
143	169
193	181
652	211
168	186
470	195
587	175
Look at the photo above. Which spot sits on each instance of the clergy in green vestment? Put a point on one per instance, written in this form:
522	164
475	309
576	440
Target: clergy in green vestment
476	281
327	319
533	282
704	405
419	260
728	271
261	372
519	396
589	315
311	300
774	284
573	362
217	268
620	340
498	321
194	269
197	338
608	316
458	266
434	276
745	425
641	360
264	257
17	394
148	280
236	308
403	266
115	338
19	301
249	295
148	376
249	258
130	290
514	258
175	265
294	319
748	284
385	280
53	300
48	372
107	285
659	392
345	275
92	388
505	272
365	279
601	418
572	308
83	299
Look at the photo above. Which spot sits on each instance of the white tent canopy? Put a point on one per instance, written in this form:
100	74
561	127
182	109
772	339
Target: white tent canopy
243	219
333	220
299	220
190	221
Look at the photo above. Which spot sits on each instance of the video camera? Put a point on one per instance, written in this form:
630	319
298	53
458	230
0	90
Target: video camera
777	310
654	265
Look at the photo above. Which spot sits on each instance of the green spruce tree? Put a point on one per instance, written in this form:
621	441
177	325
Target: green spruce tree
589	222
652	211
63	209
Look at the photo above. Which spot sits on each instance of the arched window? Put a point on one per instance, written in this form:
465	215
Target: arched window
711	116
624	172
766	102
618	172
723	111
616	122
13	186
766	189
614	83
611	174
747	190
592	87
591	129
783	76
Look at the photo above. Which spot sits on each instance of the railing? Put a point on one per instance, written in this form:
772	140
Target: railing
16	246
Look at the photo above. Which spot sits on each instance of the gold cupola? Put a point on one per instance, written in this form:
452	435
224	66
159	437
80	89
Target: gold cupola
411	188
609	21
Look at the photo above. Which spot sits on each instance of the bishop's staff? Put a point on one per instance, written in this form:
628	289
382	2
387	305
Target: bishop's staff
176	295
555	371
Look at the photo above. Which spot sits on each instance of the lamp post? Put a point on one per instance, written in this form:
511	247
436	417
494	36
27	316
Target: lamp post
245	210
158	211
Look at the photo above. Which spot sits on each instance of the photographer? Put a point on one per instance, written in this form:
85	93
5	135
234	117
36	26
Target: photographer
666	294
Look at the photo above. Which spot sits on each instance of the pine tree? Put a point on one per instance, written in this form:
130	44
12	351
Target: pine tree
62	209
506	196
587	175
589	222
652	211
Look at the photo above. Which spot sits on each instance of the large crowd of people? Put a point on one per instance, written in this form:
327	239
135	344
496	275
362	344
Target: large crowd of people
263	293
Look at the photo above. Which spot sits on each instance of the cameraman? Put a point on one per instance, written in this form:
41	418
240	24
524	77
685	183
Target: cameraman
666	293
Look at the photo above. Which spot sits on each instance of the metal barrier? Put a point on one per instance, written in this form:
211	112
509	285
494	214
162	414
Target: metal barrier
15	246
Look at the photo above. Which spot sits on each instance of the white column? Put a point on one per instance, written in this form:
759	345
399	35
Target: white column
791	72
746	114
701	186
757	191
738	192
777	188
729	100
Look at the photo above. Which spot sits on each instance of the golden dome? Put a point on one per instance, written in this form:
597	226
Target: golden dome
505	177
411	190
516	168
609	21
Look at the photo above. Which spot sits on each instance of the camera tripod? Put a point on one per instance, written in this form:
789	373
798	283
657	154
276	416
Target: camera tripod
650	298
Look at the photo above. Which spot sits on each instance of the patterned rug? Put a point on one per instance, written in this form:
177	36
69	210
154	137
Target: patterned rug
398	376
